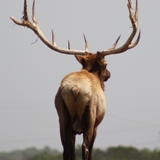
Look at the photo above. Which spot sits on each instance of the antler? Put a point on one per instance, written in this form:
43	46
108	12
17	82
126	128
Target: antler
36	29
113	50
128	44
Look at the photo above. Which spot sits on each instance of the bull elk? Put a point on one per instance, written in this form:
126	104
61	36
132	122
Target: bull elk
80	100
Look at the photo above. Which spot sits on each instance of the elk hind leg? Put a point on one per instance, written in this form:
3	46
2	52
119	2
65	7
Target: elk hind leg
68	142
88	122
67	133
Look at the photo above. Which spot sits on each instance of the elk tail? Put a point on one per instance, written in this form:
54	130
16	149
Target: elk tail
75	91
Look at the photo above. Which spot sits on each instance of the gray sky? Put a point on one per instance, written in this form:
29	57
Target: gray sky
31	74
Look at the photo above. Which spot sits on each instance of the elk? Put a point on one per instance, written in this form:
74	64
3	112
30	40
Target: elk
80	100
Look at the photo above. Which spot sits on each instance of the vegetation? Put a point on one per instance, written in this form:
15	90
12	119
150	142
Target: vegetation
112	153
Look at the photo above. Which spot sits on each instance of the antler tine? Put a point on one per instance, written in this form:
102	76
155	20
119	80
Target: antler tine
34	13
136	10
25	13
114	45
69	46
128	44
24	18
133	16
53	38
136	42
86	43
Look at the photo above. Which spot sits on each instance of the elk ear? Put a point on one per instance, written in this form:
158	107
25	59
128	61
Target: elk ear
80	59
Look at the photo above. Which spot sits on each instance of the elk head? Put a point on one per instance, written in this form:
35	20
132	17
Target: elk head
80	100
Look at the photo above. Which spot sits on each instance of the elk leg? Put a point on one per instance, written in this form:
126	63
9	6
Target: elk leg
92	142
71	142
67	134
68	142
64	143
88	133
86	143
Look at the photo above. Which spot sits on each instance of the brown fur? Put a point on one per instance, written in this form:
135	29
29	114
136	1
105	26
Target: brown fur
81	105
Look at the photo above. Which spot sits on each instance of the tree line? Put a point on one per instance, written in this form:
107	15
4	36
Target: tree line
112	153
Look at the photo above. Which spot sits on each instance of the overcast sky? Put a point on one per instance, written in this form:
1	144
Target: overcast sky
30	74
